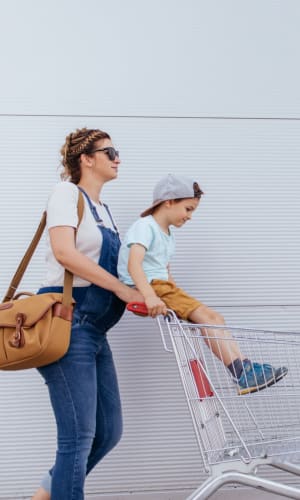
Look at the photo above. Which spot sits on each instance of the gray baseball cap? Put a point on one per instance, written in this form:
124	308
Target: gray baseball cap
173	187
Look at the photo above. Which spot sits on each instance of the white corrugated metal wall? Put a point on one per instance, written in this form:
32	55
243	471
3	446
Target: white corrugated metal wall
210	89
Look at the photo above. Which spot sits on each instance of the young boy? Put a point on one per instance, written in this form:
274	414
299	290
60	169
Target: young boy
144	263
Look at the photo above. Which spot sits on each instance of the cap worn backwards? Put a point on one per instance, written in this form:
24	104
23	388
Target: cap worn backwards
173	187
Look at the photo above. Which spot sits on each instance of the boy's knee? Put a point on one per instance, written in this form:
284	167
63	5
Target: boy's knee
206	315
219	320
214	318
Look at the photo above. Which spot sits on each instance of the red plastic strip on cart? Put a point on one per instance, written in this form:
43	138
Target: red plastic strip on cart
202	383
138	308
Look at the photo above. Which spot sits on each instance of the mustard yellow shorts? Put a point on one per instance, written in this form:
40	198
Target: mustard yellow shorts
175	298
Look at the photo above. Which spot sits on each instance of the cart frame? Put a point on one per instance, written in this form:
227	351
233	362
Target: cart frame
270	434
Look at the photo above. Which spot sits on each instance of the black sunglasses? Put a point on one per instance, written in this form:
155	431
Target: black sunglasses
112	153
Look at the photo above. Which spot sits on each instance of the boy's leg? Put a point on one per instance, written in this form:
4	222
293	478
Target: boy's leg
250	376
187	307
220	341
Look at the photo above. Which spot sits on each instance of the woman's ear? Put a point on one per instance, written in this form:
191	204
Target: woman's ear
86	160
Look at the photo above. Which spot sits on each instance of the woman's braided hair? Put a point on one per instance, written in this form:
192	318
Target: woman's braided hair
78	142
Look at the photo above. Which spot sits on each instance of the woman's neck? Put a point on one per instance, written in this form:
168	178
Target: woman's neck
92	189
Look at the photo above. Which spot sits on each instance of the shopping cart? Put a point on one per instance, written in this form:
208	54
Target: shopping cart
238	434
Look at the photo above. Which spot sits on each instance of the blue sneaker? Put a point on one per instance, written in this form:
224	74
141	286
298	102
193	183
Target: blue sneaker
256	376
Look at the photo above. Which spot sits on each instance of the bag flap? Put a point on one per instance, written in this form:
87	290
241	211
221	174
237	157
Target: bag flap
33	308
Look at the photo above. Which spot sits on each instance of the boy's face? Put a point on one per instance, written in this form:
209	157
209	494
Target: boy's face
179	212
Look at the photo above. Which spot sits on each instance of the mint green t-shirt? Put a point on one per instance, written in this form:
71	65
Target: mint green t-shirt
159	249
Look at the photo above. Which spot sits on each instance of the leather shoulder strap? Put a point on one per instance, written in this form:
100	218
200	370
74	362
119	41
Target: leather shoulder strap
68	281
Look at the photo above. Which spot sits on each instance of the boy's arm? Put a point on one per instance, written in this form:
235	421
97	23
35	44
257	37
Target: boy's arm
154	304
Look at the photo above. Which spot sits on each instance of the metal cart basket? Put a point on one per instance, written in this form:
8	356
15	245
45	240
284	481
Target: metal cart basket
237	434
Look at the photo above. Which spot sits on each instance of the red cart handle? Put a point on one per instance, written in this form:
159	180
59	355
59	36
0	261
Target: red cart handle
138	308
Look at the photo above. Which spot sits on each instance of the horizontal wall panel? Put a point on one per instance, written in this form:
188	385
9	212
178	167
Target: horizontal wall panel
168	58
158	451
239	254
208	89
242	246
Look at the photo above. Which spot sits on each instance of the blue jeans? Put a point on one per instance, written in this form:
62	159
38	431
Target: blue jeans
83	384
85	398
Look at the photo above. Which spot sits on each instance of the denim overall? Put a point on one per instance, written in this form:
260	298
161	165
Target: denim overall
83	384
102	307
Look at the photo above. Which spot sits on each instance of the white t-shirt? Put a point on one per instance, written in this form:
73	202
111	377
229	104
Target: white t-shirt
159	249
62	211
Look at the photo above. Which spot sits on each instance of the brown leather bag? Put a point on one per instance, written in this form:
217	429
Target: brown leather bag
35	331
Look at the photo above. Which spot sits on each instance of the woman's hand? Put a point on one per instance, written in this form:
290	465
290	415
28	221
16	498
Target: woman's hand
155	306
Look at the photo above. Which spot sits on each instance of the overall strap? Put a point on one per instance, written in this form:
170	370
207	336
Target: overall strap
92	207
111	218
68	279
95	213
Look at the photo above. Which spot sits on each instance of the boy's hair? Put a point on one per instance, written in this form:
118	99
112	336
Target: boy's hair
173	187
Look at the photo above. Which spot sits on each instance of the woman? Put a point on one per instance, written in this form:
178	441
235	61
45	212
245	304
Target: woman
82	385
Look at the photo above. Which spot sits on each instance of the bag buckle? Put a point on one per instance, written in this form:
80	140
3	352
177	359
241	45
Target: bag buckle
18	338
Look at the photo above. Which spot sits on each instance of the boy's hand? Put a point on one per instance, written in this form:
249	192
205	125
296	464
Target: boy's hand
155	306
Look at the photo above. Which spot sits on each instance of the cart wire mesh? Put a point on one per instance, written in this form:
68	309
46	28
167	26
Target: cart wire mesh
231	427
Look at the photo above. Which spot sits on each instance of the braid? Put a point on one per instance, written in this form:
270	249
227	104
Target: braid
78	142
66	147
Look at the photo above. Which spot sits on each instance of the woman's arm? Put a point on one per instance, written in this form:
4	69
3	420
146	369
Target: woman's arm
63	246
154	304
